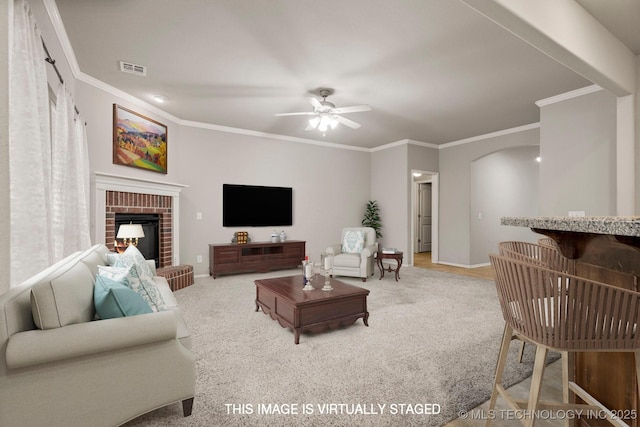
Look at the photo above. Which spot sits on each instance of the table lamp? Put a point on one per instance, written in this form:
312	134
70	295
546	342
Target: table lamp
130	233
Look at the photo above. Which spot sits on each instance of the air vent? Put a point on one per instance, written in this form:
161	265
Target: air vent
127	67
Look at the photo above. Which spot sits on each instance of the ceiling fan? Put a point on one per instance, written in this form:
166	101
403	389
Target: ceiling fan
326	115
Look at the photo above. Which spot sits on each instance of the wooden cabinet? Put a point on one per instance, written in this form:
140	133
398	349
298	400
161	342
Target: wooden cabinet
233	258
609	377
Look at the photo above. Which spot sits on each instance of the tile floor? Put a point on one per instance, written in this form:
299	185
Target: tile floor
504	416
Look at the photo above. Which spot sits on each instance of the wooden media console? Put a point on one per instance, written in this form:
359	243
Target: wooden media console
231	258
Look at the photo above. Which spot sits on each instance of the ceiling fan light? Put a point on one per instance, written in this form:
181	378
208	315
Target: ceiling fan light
323	127
334	122
314	122
325	121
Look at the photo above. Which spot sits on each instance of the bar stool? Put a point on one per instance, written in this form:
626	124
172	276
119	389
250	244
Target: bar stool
564	313
547	241
544	255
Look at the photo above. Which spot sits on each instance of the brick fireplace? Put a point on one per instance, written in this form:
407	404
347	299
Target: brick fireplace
117	194
139	203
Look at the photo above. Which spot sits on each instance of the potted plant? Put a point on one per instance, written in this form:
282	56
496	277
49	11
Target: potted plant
372	217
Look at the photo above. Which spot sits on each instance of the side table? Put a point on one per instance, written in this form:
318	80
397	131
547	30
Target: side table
397	256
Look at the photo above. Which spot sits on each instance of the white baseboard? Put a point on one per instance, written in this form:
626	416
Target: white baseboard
200	275
453	264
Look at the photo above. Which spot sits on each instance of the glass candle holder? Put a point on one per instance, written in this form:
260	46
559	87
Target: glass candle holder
326	260
327	272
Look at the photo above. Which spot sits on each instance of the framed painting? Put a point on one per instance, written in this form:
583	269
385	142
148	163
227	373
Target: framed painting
138	141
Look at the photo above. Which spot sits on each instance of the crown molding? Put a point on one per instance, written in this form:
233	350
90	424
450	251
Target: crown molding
99	84
210	126
403	142
568	95
423	144
280	137
491	135
389	145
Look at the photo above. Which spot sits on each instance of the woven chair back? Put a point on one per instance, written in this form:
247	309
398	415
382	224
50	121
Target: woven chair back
547	241
542	255
565	312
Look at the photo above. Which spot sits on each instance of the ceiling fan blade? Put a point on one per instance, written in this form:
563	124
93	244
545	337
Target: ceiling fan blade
348	122
354	109
307	113
314	102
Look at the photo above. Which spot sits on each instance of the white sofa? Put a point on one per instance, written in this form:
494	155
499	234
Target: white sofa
86	371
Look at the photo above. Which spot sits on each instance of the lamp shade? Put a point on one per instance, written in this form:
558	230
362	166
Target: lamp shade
130	231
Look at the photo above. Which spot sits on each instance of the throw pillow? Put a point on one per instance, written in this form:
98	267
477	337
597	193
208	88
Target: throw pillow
127	276
118	274
133	258
113	299
353	242
138	260
112	258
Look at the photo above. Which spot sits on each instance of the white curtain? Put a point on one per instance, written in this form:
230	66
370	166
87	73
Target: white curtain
70	178
31	238
49	162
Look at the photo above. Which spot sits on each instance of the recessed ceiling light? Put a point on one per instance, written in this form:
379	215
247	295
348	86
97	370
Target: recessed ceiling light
160	98
417	174
538	159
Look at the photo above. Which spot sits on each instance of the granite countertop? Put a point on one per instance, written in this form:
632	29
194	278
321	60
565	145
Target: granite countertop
614	225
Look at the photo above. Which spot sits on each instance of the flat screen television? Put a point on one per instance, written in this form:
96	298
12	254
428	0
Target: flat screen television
256	206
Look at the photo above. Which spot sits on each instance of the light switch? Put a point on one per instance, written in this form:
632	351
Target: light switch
199	259
198	215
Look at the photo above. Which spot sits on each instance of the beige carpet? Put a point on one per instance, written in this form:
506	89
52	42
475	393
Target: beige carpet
431	346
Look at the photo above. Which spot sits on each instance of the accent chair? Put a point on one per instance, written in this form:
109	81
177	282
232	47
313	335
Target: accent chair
354	255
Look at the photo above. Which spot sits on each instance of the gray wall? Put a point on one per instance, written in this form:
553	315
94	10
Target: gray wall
330	185
504	183
330	188
419	158
389	188
422	158
96	107
577	145
455	191
391	183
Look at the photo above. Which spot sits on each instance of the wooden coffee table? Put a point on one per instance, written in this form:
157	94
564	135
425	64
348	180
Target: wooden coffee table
284	300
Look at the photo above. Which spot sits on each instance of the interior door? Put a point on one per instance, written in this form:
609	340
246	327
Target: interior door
424	217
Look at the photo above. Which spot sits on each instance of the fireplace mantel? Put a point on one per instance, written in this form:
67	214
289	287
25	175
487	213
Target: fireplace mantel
104	182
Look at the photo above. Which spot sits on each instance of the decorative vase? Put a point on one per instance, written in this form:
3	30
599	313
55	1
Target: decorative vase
283	236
